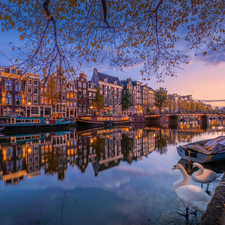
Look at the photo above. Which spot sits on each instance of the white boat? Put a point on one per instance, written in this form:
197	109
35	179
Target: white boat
196	152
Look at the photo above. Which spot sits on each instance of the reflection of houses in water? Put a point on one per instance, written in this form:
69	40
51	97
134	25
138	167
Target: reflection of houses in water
110	154
54	155
12	161
28	154
72	149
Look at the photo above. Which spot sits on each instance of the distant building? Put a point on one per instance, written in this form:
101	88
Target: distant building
111	88
127	85
71	99
91	95
137	89
82	94
12	91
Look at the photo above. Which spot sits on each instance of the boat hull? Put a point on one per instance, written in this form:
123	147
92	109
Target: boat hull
199	157
105	123
34	126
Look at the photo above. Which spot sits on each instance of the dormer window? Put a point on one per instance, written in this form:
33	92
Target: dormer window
105	79
115	82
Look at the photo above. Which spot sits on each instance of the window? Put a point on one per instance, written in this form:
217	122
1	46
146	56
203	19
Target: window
18	86
29	82
63	97
36	159
34	110
84	93
35	100
29	90
8	99
8	85
36	167
35	82
35	90
13	71
30	159
18	100
67	103
71	95
84	85
71	88
79	84
68	95
90	95
74	95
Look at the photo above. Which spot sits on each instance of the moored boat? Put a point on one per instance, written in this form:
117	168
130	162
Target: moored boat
103	121
198	152
15	123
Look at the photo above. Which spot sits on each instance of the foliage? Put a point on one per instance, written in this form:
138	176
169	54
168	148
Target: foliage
52	158
51	93
148	111
126	146
98	101
161	143
99	146
161	98
122	33
126	100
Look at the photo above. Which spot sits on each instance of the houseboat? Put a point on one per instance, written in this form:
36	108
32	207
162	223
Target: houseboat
17	123
103	121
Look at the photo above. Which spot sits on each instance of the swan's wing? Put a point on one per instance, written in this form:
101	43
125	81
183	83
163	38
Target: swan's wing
190	193
207	177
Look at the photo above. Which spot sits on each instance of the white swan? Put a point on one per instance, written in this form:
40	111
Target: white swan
203	176
191	195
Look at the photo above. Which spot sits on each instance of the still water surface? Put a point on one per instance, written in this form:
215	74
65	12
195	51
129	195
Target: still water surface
104	176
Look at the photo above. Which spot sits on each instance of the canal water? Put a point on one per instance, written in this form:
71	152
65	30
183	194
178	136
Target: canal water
97	176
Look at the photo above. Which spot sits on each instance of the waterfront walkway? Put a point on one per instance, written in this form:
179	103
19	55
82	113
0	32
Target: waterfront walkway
215	213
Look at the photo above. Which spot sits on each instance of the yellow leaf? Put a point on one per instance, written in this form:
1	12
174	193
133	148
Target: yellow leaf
204	53
21	37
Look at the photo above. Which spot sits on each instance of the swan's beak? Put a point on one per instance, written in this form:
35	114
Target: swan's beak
174	168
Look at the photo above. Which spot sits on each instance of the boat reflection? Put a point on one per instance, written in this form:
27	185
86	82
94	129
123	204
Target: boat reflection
53	152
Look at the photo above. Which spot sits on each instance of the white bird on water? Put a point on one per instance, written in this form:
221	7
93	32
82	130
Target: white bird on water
191	195
203	176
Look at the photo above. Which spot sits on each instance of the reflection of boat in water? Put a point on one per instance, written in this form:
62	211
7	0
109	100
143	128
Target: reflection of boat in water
196	152
103	121
84	131
27	137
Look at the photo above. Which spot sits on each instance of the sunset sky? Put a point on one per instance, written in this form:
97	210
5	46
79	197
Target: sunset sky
203	77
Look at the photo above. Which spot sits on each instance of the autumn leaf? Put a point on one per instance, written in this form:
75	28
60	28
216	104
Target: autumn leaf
21	37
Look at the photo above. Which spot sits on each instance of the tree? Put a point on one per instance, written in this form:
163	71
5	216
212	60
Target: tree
98	146
161	143
98	101
127	100
126	146
121	33
51	92
161	98
192	106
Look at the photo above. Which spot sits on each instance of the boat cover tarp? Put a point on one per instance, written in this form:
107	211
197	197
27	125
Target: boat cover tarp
213	146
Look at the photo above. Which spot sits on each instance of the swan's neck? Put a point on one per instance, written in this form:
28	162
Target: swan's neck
200	171
182	182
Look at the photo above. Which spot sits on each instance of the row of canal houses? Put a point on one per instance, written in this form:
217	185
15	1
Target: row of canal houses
23	94
26	155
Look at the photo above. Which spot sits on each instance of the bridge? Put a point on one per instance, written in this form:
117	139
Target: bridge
174	117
